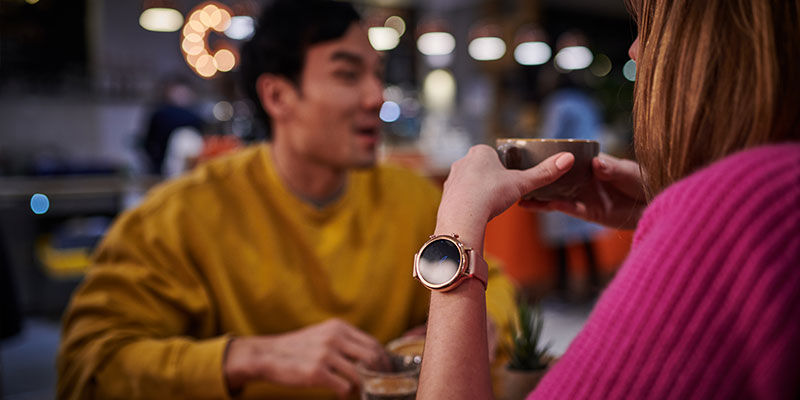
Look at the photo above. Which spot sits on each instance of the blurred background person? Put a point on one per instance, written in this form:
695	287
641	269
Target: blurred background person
174	130
570	112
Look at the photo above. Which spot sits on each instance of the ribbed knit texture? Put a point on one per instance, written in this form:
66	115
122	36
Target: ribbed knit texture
707	304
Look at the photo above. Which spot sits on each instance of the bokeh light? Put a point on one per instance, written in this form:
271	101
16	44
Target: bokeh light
574	58
532	53
382	38
212	16
487	48
192	59
161	19
191	47
206	66
224	20
196	26
436	43
393	93
223	111
601	66
629	70
39	203
439	89
241	27
390	111
396	23
225	60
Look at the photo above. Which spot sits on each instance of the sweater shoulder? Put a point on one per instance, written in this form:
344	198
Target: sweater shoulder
743	186
202	188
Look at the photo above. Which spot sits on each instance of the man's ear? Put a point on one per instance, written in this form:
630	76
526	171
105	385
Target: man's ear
278	96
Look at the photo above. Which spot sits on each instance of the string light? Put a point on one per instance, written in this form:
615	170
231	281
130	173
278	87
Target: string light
205	18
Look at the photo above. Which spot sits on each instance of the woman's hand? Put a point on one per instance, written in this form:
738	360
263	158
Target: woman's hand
616	199
479	188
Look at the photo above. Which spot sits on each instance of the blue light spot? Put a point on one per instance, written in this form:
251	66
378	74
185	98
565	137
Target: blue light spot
39	203
629	70
390	111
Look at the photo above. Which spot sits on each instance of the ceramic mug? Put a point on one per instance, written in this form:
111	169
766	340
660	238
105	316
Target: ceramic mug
523	153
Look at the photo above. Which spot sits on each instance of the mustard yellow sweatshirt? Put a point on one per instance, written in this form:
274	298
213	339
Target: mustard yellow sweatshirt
228	250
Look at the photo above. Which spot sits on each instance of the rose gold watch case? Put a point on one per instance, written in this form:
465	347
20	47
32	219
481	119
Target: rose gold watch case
463	264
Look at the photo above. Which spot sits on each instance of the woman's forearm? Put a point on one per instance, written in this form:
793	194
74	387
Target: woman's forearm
455	364
456	360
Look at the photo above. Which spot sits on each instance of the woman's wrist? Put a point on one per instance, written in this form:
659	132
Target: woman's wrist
469	227
472	236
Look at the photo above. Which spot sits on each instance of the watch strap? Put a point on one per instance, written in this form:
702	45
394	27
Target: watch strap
480	274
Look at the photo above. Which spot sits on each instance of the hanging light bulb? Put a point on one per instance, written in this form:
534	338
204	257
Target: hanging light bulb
486	43
436	42
531	46
573	53
384	30
383	38
160	16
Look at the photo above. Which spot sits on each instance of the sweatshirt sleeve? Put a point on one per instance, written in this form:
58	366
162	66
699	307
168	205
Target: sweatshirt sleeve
141	324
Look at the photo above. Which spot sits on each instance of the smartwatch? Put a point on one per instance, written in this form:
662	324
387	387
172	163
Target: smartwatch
443	263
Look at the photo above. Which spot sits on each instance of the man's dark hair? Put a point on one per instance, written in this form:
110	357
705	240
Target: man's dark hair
284	32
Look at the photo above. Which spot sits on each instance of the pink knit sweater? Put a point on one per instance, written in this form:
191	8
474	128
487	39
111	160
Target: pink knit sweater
707	304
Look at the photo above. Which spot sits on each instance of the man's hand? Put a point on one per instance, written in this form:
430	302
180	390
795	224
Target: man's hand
616	199
322	355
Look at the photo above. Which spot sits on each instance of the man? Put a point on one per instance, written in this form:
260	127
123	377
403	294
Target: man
272	272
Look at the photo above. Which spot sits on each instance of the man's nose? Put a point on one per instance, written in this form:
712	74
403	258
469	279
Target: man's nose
373	93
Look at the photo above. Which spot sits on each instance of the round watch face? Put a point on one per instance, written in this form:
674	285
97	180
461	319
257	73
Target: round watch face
439	262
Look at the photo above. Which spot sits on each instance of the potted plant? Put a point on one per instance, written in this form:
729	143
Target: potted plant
528	358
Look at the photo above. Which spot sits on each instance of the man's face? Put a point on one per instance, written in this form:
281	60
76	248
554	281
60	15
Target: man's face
334	121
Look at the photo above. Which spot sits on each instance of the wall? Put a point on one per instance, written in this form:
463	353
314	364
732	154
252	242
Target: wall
71	128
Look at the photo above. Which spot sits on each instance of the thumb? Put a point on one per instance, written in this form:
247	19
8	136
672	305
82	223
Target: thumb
547	171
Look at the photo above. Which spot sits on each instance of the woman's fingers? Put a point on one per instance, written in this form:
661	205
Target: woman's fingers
546	172
623	174
608	168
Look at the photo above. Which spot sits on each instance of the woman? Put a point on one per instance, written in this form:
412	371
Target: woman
706	304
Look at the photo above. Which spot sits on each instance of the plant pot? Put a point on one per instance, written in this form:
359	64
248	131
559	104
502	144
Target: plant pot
517	384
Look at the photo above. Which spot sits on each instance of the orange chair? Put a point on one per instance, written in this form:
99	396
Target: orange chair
513	237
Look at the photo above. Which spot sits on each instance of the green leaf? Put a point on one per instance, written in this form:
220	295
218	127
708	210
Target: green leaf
525	350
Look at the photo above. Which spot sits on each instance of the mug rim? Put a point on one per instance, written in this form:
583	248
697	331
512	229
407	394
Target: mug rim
546	140
366	372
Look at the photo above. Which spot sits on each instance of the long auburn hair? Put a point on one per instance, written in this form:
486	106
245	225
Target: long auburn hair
713	77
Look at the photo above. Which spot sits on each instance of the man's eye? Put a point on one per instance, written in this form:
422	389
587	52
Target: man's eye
347	75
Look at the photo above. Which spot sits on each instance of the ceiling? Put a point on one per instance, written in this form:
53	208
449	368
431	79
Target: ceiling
614	8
